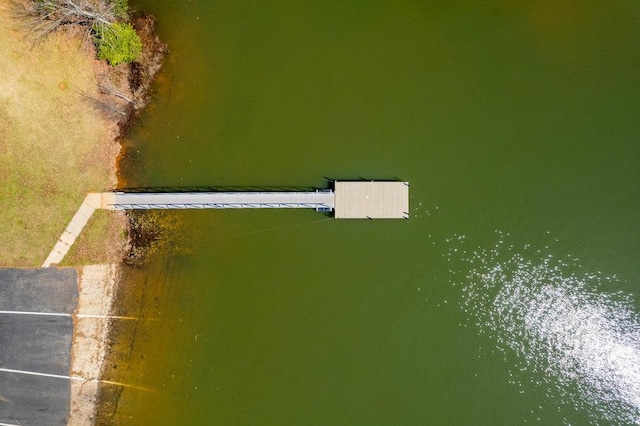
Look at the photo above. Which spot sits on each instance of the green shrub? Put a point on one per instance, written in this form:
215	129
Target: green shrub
120	8
117	43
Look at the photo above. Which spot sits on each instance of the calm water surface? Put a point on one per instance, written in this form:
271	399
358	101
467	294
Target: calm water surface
517	126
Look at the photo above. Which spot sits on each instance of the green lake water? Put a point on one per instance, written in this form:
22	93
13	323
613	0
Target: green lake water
510	296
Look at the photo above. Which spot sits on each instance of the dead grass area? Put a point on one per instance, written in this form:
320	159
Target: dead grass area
54	147
102	242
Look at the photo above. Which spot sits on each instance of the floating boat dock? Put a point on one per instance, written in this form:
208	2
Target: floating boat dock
348	200
371	200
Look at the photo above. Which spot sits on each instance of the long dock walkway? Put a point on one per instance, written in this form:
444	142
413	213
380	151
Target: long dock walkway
319	200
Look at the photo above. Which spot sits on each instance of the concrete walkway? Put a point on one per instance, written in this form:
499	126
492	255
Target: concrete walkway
91	202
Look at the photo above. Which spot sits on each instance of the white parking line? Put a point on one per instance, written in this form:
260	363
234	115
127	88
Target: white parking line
59	314
59	376
33	373
50	314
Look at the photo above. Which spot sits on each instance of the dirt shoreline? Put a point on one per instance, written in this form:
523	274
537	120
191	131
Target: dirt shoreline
100	285
97	287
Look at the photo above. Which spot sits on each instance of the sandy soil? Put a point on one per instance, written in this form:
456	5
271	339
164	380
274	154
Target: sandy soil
97	290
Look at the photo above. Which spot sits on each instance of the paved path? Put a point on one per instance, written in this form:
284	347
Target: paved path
91	202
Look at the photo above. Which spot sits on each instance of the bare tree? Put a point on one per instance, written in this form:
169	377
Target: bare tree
106	87
45	16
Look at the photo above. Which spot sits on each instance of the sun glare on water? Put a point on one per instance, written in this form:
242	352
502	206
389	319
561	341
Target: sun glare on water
561	330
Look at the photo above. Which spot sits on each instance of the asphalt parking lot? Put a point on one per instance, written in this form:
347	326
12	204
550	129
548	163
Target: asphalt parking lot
36	332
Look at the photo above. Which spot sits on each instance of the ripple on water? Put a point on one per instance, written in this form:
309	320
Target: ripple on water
568	335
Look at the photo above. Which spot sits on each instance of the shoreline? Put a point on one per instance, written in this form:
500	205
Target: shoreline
100	285
97	288
63	116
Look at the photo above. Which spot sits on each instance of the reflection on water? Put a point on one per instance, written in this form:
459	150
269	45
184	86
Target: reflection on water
562	331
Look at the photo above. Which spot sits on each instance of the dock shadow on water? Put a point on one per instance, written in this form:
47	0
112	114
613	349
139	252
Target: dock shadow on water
559	328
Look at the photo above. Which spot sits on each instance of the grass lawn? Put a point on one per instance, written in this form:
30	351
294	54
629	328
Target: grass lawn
54	148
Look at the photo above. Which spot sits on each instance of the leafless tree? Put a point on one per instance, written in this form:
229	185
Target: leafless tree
106	87
42	17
